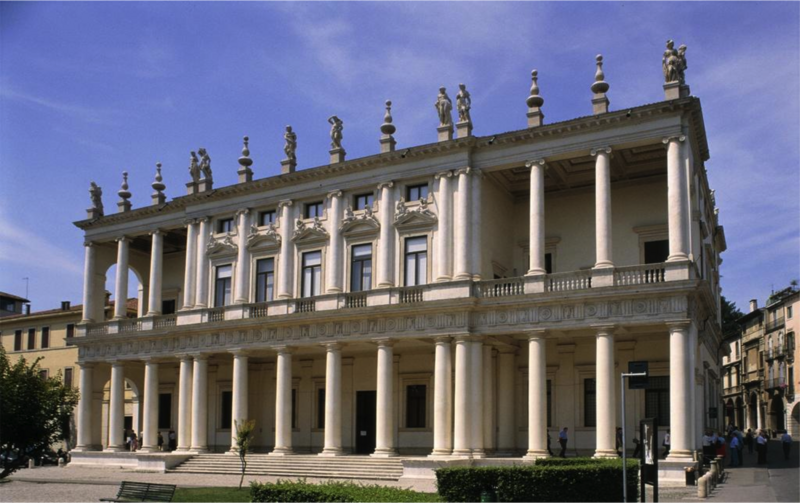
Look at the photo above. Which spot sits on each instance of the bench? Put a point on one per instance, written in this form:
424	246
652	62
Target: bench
142	491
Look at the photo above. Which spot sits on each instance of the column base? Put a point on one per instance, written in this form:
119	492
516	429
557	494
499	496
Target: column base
282	451
332	451
197	450
87	448
462	453
148	449
441	453
605	453
384	453
462	276
681	456
533	455
182	450
115	448
478	454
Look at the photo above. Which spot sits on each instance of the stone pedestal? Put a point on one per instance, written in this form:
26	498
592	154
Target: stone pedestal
535	117
93	213
387	143
337	155
205	185
158	198
191	188
676	90
124	206
600	103
288	166
445	132
245	174
463	129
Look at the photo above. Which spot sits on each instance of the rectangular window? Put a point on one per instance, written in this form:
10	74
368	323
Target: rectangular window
266	217
549	403
789	312
737	350
31	338
548	263
68	377
416	261
312	273
656	252
226	407
225	225
361	268
164	411
313	210
364	200
43	374
415	405
168	306
417	192
70	330
590	403
222	285
656	399
321	408
265	279
18	340
45	337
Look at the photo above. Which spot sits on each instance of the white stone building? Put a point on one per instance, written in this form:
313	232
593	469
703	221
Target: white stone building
456	299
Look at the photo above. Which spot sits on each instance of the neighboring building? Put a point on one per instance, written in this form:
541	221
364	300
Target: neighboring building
456	299
779	357
732	373
11	304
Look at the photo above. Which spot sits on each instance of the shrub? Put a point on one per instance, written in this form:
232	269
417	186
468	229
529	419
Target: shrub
300	491
578	480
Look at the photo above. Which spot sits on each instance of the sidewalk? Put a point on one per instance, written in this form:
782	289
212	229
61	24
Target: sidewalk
775	481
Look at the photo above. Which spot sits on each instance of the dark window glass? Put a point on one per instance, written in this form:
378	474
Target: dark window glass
70	331
416	261
361	269
321	408
363	201
227	410
549	403
265	279
225	225
548	263
590	402
312	273
656	399
417	192
656	252
45	337
43	374
164	411
415	405
294	408
68	377
313	210
18	340
168	306
222	285
266	217
31	338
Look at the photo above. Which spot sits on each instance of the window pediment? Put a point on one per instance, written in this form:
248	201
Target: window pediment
305	233
263	239
222	246
418	218
359	225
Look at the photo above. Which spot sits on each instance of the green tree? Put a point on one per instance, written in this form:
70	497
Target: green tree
34	412
730	315
244	435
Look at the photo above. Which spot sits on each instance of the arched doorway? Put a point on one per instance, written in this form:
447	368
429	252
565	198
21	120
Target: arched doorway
730	413
739	412
752	412
795	422
776	414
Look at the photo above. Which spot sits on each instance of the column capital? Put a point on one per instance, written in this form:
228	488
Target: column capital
184	357
334	193
242	211
157	232
466	170
462	338
599	150
204	219
116	363
199	356
444	339
188	222
388	185
86	365
443	174
239	352
384	342
89	244
678	137
604	329
284	203
536	162
284	350
678	325
535	334
332	346
122	239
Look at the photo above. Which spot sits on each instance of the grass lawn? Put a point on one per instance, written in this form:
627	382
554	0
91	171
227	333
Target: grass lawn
212	494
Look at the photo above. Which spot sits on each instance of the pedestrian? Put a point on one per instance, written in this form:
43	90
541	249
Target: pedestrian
548	443
173	440
619	441
134	441
761	447
665	443
708	448
637	452
748	440
721	448
160	441
562	439
740	447
786	441
735	452
128	439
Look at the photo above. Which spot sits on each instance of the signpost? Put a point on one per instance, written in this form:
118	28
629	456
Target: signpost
648	433
642	373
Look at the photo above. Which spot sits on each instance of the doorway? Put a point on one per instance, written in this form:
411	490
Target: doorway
365	421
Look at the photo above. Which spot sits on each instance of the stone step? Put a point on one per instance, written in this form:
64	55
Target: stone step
294	474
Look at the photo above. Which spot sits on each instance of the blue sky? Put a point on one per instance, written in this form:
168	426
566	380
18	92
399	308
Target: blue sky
88	90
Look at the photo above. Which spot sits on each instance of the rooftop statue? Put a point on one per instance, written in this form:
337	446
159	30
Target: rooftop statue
337	126
290	148
674	63
463	104
194	168
205	163
96	194
444	108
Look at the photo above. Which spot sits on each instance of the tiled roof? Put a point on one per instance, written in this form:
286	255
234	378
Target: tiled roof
13	297
133	305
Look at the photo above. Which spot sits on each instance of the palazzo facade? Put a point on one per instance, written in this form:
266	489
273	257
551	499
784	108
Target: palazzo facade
456	299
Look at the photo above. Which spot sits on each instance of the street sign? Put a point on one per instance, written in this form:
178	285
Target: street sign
637	368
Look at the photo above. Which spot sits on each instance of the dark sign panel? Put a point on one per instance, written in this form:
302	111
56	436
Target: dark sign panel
637	368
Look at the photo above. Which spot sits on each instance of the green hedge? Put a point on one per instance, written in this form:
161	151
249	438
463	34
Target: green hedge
300	491
589	480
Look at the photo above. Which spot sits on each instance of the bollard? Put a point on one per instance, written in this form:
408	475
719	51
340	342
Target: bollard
31	463
689	474
61	463
714	472
702	487
721	465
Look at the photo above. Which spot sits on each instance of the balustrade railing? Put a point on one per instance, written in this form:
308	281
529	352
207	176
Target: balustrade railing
134	325
258	310
774	324
639	274
354	300
165	321
505	287
305	306
566	281
97	329
215	314
410	295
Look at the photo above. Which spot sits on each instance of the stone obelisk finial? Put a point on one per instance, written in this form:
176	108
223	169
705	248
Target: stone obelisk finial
158	196
535	102
245	173
599	87
387	130
124	195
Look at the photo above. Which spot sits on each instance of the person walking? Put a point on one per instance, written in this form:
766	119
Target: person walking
548	443
562	439
173	440
761	447
748	440
665	443
637	452
708	448
160	441
619	442
735	452
786	441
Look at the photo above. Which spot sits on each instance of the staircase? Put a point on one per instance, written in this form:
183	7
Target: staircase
298	466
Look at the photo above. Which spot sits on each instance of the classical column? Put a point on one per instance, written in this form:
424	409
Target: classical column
680	380
201	292
116	408
121	290
461	430
283	403
537	397
89	268
475	225
443	399
386	239
463	225
536	224
335	260
606	418
200	404
384	432
476	398
190	271
286	260
444	245
602	205
85	408
150	434
242	292
488	399
240	391
506	438
156	268
333	401
677	198
185	404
